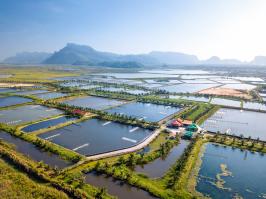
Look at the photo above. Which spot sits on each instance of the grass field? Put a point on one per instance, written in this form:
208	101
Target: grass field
15	184
31	74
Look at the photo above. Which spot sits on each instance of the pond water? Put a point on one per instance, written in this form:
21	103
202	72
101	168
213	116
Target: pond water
251	79
27	113
94	102
158	167
51	95
176	71
146	111
31	92
33	152
13	100
136	75
254	105
187	88
116	187
97	136
195	98
226	102
47	124
247	179
237	122
130	91
7	90
239	86
198	81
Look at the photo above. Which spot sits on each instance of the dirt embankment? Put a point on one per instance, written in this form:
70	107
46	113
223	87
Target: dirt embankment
226	92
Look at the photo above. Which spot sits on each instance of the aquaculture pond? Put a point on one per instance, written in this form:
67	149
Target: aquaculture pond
97	136
231	173
195	98
130	91
13	100
116	187
51	95
94	102
27	113
30	92
187	88
232	121
226	102
239	86
254	106
7	90
47	124
158	167
146	111
33	152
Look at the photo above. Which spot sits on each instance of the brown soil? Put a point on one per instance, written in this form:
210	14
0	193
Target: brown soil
225	92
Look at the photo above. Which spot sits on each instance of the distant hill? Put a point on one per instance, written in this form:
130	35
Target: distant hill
174	58
74	54
259	60
214	60
27	58
86	55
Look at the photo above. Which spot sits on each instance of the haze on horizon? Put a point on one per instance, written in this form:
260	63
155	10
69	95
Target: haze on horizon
226	28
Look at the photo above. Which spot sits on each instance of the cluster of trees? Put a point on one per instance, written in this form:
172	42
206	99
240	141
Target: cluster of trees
175	172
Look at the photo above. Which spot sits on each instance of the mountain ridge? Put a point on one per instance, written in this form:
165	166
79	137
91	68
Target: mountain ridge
75	54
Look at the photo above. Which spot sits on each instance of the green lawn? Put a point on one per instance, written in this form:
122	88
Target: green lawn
15	184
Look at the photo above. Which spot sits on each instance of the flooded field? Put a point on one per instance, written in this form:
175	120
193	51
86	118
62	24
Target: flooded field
97	136
33	152
158	167
134	92
94	102
231	173
47	124
239	86
254	105
7	90
51	95
226	102
237	122
13	100
27	113
188	88
116	187
146	111
31	92
195	98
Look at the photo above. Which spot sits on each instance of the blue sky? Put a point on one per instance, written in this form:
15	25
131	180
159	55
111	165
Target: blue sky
227	28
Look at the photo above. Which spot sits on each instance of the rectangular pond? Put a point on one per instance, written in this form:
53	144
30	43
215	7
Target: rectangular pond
13	100
116	187
231	173
33	152
237	122
254	106
97	136
187	88
226	102
27	113
47	124
51	95
196	98
158	167
146	111
239	86
92	102
31	92
130	91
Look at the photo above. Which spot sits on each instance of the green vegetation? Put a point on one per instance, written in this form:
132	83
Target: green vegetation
17	184
33	74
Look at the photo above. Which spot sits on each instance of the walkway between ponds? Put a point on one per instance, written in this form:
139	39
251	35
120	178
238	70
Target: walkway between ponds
128	150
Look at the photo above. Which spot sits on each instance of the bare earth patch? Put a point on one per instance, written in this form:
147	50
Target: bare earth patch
225	92
10	85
